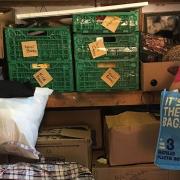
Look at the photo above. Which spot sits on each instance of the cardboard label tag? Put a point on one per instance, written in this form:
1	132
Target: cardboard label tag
111	23
29	48
106	65
40	66
43	77
97	48
110	77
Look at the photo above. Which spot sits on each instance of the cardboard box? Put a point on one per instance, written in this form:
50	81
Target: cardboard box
131	172
7	16
90	118
155	77
131	137
67	144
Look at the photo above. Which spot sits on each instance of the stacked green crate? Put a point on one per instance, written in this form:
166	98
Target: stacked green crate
53	54
91	22
122	52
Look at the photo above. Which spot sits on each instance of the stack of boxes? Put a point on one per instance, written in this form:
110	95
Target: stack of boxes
106	51
41	56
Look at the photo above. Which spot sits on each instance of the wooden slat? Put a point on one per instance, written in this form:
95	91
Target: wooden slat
78	11
103	99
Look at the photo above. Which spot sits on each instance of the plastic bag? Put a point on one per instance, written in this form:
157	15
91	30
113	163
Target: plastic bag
168	147
20	119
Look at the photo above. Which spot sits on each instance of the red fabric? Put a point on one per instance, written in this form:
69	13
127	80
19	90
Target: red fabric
177	78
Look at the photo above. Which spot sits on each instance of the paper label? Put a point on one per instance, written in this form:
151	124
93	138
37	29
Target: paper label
97	48
110	77
111	23
106	65
29	48
40	66
43	77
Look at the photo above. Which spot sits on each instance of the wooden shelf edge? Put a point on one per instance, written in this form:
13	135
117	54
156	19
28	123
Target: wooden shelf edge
103	99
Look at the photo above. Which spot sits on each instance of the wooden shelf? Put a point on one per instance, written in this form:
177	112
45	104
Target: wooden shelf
103	99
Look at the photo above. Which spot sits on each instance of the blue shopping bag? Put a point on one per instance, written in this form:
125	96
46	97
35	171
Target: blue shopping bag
167	154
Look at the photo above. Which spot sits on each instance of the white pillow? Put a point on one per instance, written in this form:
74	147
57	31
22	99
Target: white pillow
20	119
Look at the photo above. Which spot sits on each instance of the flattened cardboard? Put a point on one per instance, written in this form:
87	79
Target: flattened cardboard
75	133
90	118
7	17
67	148
131	138
111	23
155	77
130	172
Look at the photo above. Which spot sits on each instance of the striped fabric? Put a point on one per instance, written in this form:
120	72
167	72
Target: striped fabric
45	171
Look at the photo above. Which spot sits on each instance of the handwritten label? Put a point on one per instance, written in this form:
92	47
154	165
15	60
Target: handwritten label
43	77
110	77
97	48
29	48
111	23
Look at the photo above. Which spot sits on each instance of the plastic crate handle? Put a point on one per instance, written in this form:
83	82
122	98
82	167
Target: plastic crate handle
37	33
109	39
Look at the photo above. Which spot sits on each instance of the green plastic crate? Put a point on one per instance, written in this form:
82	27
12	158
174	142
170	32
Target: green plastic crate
54	48
91	22
61	73
88	76
54	44
119	46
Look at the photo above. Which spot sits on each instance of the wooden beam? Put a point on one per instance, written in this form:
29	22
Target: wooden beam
103	99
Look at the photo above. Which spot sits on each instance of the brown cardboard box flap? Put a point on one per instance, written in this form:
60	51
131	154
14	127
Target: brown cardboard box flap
70	132
90	118
80	132
130	118
76	133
